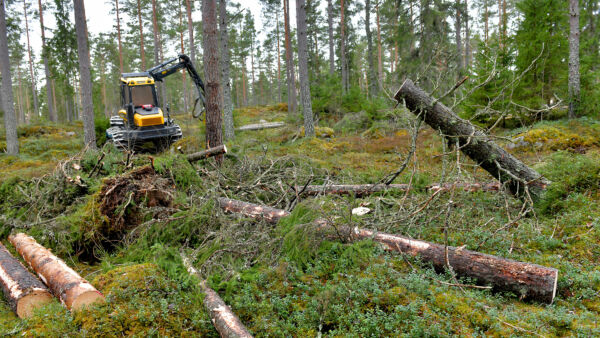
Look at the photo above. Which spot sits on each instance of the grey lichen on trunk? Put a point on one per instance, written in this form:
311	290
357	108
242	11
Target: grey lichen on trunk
309	127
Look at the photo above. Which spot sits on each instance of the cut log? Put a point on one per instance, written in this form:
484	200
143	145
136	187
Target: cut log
220	150
473	142
224	320
527	280
271	215
23	291
259	126
470	187
72	290
356	189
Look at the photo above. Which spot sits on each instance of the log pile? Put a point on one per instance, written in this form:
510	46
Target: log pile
72	290
23	291
520	179
527	280
201	155
224	320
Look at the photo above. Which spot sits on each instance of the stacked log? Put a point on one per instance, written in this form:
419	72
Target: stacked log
201	155
72	290
224	320
23	291
520	179
527	280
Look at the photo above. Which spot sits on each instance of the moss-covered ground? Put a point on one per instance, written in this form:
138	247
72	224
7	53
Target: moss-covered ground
288	280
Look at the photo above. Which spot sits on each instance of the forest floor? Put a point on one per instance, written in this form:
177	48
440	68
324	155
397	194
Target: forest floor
286	280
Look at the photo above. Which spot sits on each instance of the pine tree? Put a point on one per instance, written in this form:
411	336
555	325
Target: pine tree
49	95
309	128
10	119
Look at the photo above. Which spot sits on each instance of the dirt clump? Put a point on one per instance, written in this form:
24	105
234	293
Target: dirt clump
122	198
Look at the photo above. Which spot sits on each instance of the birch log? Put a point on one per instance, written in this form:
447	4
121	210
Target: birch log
224	320
473	142
528	281
23	291
220	150
72	290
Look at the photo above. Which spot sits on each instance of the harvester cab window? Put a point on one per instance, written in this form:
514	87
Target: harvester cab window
142	95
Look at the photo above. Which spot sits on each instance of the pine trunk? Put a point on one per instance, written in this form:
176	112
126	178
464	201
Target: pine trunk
574	83
72	290
309	127
214	137
157	49
10	119
457	31
225	78
467	36
191	31
372	72
379	51
142	49
330	31
278	60
289	59
343	51
22	290
36	108
89	133
521	180
51	108
119	36
183	77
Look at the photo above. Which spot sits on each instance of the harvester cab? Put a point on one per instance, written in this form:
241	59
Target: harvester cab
141	119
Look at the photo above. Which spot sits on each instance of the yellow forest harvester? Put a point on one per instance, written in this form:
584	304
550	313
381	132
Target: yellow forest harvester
141	119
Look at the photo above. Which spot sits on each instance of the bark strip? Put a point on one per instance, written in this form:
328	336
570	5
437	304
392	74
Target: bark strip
66	284
224	320
528	281
520	178
23	291
201	155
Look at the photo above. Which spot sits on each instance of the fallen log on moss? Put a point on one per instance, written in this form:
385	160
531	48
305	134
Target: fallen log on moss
201	155
259	126
356	189
224	320
519	178
526	280
72	290
22	290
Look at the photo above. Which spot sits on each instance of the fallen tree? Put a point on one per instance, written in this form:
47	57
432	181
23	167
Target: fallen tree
527	280
520	179
224	320
72	290
22	290
259	126
470	187
356	189
215	151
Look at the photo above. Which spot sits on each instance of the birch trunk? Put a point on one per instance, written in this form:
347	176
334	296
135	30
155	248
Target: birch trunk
89	133
10	119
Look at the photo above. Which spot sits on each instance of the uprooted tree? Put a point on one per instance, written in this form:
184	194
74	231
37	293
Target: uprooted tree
520	179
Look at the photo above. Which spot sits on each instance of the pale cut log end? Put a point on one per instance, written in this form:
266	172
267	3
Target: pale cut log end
36	299
398	96
555	286
87	298
225	149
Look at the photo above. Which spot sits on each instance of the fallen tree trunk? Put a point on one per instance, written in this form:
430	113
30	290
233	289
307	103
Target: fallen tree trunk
473	142
72	290
529	281
271	215
224	320
259	126
356	189
220	150
470	187
23	291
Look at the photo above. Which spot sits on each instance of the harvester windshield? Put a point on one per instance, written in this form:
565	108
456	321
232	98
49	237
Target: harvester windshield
142	95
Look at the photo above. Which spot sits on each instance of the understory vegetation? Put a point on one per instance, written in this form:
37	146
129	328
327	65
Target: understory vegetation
288	279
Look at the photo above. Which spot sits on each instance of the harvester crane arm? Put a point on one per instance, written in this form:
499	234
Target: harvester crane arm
169	67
